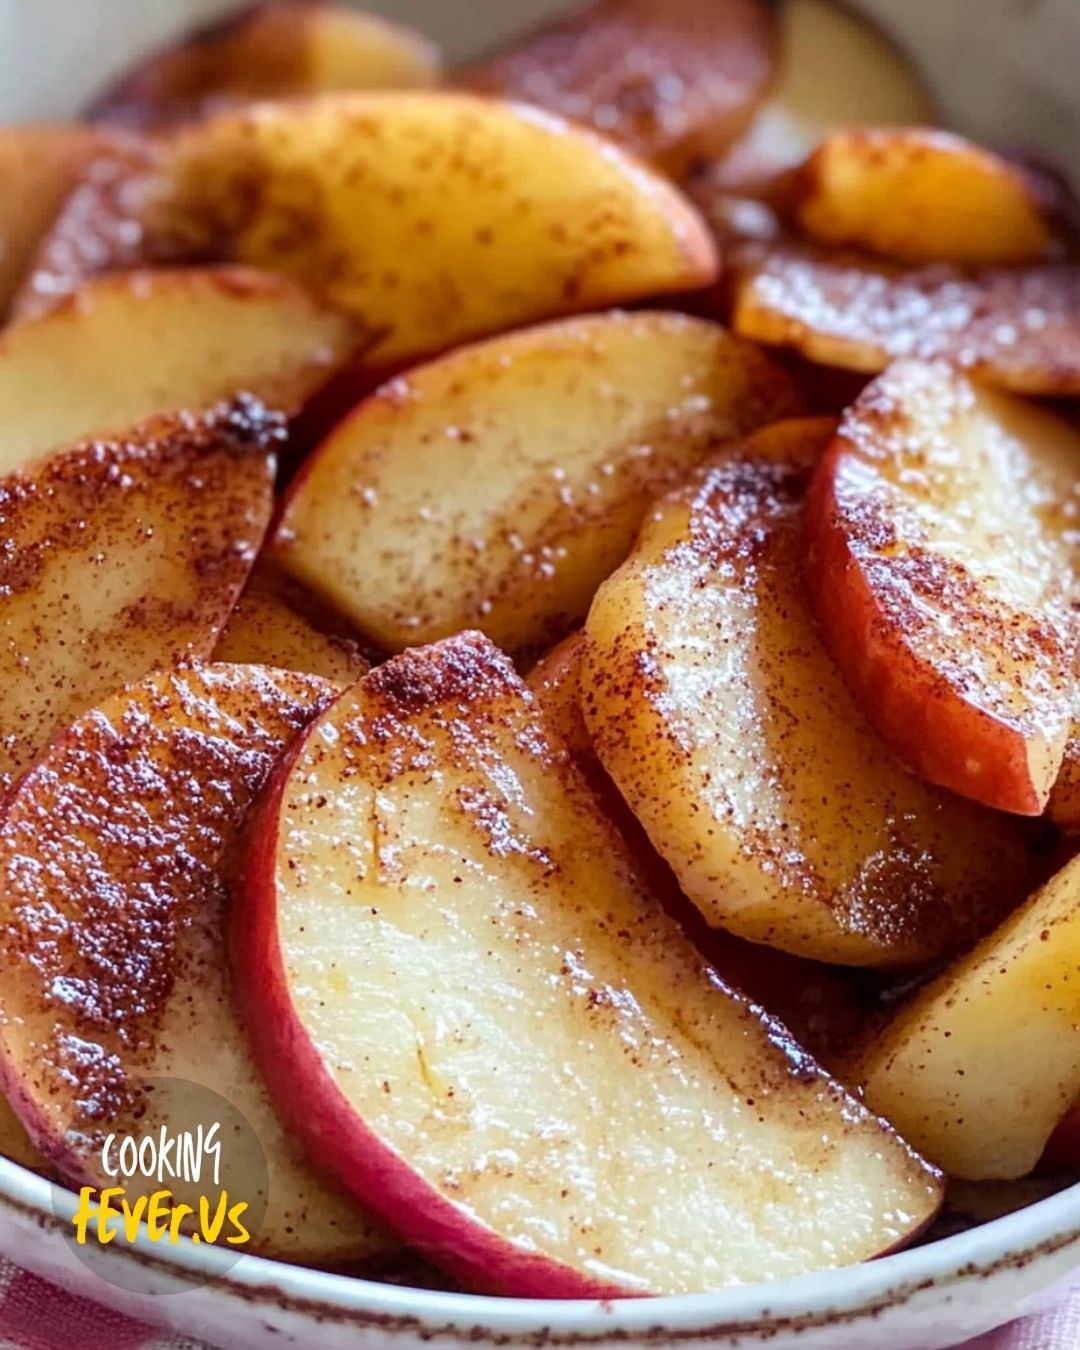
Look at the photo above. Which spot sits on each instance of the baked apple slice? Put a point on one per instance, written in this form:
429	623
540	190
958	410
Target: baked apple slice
1063	808
121	556
269	627
921	196
716	709
270	49
1017	328
981	1065
575	426
432	217
943	564
835	69
440	1004
116	858
134	345
668	79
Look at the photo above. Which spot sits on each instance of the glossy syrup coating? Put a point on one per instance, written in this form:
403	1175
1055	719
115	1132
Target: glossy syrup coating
124	555
1013	328
715	707
479	1015
116	858
667	79
943	532
433	217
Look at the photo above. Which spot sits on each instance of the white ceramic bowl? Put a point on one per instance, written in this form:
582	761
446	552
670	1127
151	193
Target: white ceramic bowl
1001	68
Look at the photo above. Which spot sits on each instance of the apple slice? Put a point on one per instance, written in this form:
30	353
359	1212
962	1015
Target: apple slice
440	1004
943	565
121	556
715	708
835	70
143	343
116	854
921	196
432	217
1016	328
1063	808
667	79
268	627
981	1065
575	427
39	165
270	49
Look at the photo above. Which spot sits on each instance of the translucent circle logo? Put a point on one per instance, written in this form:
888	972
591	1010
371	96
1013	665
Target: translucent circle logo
189	1171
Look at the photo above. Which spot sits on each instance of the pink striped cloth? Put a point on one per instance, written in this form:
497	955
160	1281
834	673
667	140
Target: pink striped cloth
36	1316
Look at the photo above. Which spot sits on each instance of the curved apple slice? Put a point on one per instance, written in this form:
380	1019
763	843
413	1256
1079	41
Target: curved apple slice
576	426
269	628
936	1069
431	217
135	345
1016	328
478	1015
271	49
668	79
716	709
116	851
920	196
943	565
1063	807
122	556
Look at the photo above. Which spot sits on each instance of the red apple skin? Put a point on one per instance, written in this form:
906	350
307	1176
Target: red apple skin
312	1105
939	735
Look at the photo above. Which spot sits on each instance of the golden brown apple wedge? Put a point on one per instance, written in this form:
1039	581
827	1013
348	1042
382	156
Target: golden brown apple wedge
268	627
943	566
271	49
715	708
432	217
982	1065
571	428
116	866
121	556
835	70
1014	328
440	1005
921	196
134	345
1063	808
669	80
39	166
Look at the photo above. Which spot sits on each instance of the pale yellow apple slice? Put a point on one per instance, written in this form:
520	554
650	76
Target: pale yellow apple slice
836	69
39	166
269	627
466	999
120	556
133	345
717	711
271	49
667	79
496	487
981	1066
1017	328
116	855
433	217
920	195
944	565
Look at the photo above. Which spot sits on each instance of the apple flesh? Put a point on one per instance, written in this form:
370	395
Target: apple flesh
942	562
138	344
122	556
441	1002
980	1066
575	425
122	839
716	709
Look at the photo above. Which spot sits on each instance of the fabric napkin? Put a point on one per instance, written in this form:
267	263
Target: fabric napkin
36	1316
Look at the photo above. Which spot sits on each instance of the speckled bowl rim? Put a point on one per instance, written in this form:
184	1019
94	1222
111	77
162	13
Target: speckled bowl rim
846	1294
